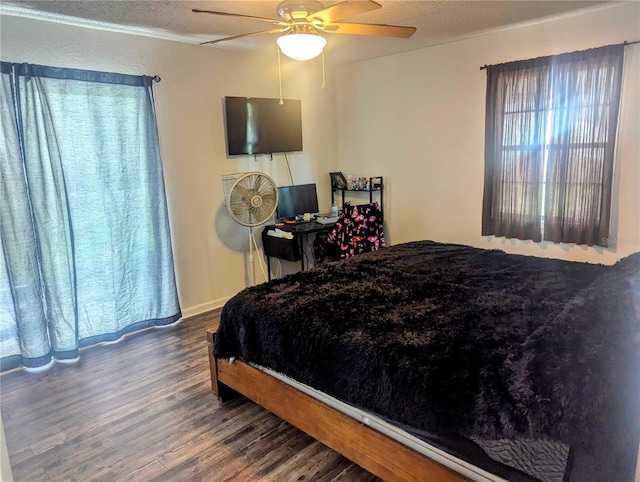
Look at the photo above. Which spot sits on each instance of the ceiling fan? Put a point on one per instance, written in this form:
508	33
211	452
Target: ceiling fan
301	20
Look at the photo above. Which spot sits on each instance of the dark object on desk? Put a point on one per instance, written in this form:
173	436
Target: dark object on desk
450	339
304	226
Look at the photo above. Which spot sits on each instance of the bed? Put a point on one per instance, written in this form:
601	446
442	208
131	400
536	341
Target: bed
489	366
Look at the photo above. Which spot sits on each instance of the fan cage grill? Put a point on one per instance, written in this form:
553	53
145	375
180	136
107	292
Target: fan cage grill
252	199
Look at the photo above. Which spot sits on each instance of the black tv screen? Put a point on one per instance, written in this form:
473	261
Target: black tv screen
296	200
256	125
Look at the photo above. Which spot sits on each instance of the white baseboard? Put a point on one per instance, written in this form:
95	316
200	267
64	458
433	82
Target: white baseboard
204	307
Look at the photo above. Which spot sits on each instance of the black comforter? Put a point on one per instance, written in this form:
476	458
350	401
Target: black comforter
454	339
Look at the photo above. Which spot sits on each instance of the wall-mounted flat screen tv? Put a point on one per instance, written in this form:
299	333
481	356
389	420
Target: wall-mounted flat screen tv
257	125
296	200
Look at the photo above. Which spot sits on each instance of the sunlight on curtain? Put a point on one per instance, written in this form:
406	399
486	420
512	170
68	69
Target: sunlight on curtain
514	149
97	205
22	319
549	146
586	99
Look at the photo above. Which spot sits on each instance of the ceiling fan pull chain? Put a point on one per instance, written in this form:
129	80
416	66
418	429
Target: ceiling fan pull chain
279	75
323	76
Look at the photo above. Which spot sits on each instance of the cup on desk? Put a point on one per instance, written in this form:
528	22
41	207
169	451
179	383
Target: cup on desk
307	216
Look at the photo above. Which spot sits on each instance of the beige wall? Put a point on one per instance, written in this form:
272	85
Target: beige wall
210	250
418	119
5	464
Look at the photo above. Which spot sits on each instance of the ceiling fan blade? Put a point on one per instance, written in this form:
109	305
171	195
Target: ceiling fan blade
347	9
262	19
275	30
378	30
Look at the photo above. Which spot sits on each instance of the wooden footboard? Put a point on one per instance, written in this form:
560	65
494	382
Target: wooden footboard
361	444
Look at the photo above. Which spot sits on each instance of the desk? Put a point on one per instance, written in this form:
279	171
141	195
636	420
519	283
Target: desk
291	249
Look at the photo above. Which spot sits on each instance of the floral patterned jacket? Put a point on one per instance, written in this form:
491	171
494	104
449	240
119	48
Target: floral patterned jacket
358	230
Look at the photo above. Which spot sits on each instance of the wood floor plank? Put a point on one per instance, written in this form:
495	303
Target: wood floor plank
225	462
142	410
180	439
223	435
120	437
121	425
144	473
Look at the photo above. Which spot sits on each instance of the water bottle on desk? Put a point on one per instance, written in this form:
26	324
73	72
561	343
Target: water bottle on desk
334	210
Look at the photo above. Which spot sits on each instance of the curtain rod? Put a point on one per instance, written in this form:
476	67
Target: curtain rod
625	43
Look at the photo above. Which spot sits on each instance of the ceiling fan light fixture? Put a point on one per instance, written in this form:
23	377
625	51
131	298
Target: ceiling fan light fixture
301	46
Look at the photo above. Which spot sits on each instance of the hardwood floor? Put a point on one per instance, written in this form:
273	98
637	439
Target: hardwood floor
142	409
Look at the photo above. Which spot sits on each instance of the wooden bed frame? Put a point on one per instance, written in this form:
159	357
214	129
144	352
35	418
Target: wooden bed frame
370	449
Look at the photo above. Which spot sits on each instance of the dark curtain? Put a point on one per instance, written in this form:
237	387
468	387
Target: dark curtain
584	116
549	146
514	149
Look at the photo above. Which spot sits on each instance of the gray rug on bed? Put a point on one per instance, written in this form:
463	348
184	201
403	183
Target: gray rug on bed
543	459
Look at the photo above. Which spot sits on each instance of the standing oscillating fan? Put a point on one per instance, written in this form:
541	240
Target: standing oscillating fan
251	199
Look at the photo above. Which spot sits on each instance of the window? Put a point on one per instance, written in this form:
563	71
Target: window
549	146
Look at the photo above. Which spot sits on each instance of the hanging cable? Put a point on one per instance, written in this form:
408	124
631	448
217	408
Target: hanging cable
278	273
323	76
264	273
279	76
286	160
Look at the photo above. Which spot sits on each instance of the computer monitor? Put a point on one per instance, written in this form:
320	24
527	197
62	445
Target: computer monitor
297	200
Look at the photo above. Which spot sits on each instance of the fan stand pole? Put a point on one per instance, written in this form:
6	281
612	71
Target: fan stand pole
252	267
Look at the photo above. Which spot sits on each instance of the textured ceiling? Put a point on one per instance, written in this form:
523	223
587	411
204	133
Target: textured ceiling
437	21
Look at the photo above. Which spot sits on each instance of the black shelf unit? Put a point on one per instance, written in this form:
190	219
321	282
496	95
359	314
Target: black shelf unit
376	184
